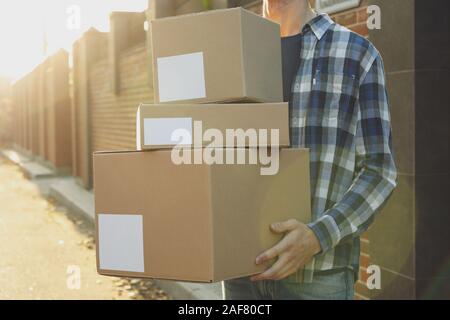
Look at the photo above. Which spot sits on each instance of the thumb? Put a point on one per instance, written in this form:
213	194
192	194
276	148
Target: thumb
285	226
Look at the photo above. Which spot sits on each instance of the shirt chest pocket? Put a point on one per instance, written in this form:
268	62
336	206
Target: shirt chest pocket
333	97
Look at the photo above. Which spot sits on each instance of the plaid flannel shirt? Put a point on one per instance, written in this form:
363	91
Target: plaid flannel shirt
339	110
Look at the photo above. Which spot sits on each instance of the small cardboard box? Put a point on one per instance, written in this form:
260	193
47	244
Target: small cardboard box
232	125
205	223
216	56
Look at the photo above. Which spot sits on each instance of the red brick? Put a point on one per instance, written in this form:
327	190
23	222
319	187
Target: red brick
362	15
360	28
363	275
347	18
362	290
365	237
364	260
365	247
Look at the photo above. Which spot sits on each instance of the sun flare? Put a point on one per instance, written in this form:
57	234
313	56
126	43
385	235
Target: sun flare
32	29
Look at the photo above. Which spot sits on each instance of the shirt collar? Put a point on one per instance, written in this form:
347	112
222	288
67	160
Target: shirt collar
319	25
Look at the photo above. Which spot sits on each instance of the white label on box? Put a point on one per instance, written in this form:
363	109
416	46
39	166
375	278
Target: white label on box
167	131
121	242
181	77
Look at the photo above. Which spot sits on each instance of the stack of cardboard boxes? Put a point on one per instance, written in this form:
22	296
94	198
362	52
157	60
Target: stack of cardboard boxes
213	169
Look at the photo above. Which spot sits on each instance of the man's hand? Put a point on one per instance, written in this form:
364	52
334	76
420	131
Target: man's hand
295	250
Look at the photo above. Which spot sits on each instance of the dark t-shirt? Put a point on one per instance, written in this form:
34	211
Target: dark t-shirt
290	50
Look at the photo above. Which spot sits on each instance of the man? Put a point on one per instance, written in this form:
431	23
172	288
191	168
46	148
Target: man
334	82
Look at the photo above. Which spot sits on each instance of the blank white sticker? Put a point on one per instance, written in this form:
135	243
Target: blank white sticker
167	131
181	77
121	242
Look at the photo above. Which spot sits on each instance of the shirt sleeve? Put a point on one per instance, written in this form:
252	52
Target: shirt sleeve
376	174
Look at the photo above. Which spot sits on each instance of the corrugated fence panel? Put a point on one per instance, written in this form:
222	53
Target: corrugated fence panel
114	116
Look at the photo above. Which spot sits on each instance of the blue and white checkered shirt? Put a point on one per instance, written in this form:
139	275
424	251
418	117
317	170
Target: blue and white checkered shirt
339	110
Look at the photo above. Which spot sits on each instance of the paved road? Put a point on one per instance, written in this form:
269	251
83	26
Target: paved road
47	254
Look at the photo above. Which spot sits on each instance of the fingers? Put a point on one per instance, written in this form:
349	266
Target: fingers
285	226
280	270
271	272
285	272
273	252
279	227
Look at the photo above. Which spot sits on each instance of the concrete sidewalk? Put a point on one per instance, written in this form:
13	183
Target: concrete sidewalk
31	168
68	193
47	253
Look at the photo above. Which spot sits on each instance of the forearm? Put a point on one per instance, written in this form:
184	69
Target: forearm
355	211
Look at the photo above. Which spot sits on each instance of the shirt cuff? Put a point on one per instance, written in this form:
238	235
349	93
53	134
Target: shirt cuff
326	231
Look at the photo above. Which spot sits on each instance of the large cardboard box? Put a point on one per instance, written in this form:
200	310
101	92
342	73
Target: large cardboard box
216	56
192	222
215	125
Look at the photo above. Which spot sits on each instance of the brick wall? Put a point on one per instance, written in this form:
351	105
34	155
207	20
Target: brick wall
354	19
114	116
111	79
41	108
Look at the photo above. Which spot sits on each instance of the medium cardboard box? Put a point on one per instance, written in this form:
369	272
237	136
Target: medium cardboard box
216	56
201	223
245	125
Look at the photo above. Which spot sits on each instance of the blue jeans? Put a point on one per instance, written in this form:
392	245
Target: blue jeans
336	286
